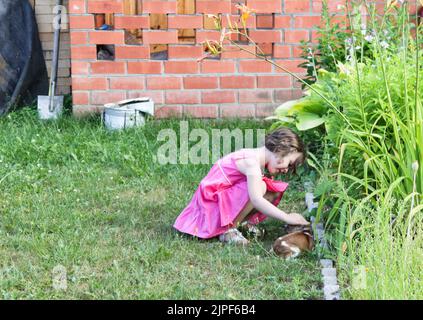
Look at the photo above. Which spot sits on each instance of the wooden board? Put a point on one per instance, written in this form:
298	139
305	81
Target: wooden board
208	23
110	19
186	7
130	7
154	48
158	21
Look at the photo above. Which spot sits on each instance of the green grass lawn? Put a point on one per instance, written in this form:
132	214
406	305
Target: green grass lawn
92	201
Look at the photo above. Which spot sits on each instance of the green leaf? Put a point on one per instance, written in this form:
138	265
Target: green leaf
284	108
281	118
309	105
323	187
271	118
308	121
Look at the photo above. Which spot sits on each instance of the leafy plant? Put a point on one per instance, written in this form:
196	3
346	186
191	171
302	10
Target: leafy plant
346	33
370	107
307	112
329	49
379	180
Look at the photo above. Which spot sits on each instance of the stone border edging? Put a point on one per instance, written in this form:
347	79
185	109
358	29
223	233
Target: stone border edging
330	282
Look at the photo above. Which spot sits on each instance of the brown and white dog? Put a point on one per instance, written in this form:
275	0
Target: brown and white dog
292	244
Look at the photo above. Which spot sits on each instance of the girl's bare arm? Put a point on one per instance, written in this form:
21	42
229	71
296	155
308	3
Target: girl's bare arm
251	168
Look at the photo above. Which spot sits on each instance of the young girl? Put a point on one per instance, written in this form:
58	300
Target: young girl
236	190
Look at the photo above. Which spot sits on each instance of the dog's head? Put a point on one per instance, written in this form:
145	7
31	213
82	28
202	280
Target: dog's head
289	228
292	244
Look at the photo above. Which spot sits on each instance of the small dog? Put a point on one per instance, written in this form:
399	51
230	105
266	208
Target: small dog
292	244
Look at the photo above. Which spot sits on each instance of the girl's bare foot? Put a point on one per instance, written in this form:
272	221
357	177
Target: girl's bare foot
233	236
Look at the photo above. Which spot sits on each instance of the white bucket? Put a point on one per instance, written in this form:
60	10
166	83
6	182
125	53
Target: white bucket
127	113
43	107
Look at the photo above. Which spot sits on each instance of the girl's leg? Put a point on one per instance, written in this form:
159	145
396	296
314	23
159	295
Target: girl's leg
244	214
249	209
233	235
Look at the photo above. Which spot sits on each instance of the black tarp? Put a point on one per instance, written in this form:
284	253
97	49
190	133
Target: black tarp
23	73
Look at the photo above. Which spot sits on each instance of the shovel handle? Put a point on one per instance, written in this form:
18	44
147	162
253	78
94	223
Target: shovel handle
55	62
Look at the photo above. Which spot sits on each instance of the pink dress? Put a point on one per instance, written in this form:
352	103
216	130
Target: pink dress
220	197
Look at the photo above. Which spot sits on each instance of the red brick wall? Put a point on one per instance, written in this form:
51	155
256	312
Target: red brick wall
235	85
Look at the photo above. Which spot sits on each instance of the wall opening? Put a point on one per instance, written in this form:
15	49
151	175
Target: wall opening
208	55
186	36
104	21
158	21
241	38
106	52
110	20
132	8
133	37
159	52
265	21
265	49
209	22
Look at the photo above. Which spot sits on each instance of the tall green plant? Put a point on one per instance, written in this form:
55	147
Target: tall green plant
339	37
330	46
381	97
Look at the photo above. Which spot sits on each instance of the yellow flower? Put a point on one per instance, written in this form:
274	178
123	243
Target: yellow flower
245	11
245	16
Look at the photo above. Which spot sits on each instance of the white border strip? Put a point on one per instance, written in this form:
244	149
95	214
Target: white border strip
330	282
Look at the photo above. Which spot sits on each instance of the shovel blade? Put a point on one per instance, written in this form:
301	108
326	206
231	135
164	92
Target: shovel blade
43	107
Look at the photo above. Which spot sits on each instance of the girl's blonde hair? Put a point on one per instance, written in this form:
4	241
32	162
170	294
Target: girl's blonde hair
284	141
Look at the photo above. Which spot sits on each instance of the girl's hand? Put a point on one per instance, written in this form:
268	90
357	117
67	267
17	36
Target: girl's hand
296	219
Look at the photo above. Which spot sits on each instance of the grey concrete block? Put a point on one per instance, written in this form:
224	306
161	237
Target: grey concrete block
329	272
326	263
330	290
332	297
320	233
329	281
324	244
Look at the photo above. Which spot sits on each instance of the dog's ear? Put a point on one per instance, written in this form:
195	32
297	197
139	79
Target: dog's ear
310	240
308	234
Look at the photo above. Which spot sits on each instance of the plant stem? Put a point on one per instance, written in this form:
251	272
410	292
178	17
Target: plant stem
297	77
385	80
363	114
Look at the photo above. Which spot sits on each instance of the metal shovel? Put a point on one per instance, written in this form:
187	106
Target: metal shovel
51	106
